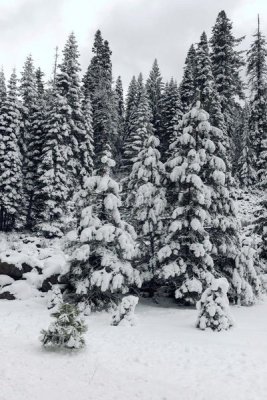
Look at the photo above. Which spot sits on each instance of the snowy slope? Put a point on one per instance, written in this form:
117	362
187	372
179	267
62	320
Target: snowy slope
162	358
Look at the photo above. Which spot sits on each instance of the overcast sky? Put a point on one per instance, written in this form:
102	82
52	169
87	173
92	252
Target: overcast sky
138	30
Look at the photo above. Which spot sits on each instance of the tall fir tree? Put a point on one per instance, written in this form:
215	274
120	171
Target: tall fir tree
257	74
140	126
11	191
131	104
39	82
29	96
146	202
226	65
3	92
188	84
120	119
53	175
68	86
100	267
154	87
245	165
171	115
97	82
203	235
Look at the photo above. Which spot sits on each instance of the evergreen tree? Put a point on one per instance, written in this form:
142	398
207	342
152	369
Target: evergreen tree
140	128
29	96
257	73
124	312
39	82
154	86
171	115
2	88
131	105
53	176
188	84
11	194
98	84
146	202
246	173
203	235
36	121
67	329
186	262
100	266
214	310
120	117
86	141
68	86
226	64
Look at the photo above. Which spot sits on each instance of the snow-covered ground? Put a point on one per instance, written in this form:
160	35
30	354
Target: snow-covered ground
162	358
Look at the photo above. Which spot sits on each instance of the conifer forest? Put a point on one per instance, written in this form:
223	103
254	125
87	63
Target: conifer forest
133	225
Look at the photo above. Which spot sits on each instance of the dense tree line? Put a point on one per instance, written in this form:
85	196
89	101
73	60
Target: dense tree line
73	153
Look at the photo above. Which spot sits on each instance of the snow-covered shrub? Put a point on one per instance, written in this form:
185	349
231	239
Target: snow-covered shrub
246	277
124	312
66	330
214	310
54	297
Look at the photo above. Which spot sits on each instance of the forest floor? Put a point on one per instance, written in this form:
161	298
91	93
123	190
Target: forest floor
163	357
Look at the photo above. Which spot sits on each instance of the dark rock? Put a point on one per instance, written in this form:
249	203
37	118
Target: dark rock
26	268
48	282
10	270
7	296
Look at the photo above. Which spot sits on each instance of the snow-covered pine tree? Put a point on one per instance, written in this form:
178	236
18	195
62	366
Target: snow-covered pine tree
124	312
131	105
203	236
257	74
29	96
248	273
36	121
11	193
154	87
86	141
2	87
39	82
97	82
146	202
139	130
68	86
188	85
171	115
100	267
226	65
186	263
223	227
66	330
120	118
261	229
53	175
246	172
214	310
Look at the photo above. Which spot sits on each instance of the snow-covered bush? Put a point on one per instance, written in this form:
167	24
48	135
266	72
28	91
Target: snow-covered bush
66	330
214	310
246	277
54	297
124	312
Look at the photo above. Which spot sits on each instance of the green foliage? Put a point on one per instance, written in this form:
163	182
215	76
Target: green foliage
66	330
